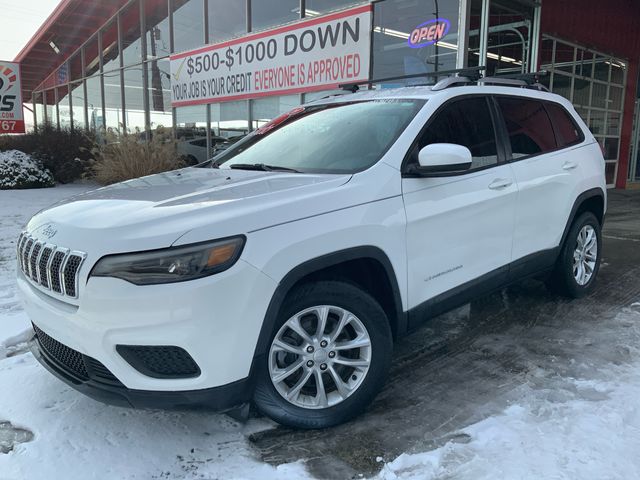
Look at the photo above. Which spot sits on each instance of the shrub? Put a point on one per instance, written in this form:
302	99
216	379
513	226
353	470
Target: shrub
19	170
66	153
124	157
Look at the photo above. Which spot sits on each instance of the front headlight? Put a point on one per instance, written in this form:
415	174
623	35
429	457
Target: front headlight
175	264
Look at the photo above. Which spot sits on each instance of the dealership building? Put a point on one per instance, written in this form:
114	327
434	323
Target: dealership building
216	69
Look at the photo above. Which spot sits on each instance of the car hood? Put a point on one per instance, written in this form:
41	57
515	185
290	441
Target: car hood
154	211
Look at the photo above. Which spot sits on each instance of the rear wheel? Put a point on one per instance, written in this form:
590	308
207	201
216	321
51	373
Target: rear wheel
579	261
328	357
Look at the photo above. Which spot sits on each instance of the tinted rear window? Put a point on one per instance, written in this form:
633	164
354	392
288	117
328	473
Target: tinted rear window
529	127
567	132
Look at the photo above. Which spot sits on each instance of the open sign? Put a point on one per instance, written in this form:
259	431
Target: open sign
429	32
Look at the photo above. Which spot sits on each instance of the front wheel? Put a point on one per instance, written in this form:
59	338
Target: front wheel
329	356
579	261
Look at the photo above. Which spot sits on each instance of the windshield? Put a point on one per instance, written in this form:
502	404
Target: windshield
334	138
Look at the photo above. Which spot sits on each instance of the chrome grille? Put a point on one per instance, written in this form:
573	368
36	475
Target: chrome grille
43	264
52	267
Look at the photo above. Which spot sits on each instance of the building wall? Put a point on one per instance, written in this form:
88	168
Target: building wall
611	27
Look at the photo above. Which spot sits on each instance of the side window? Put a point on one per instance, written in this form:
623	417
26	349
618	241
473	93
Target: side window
468	123
567	132
528	125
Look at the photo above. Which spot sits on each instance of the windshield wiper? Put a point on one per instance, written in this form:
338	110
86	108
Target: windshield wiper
263	167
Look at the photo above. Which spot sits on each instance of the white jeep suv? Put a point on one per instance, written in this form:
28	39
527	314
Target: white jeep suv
282	271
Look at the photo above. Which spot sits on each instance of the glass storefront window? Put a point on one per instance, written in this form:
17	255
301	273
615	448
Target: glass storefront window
596	122
395	20
94	103
265	109
39	108
316	7
581	90
562	86
613	123
475	18
188	24
618	70
615	98
610	172
130	27
113	101
91	57
110	51
49	107
584	63
510	26
226	19
611	148
133	99
191	123
64	111
159	93
270	14
77	105
230	119
599	95
157	24
565	57
546	53
601	69
75	67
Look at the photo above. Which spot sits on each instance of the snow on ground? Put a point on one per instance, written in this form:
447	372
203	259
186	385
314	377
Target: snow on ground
588	429
78	438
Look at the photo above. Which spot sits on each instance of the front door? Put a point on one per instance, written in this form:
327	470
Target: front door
459	227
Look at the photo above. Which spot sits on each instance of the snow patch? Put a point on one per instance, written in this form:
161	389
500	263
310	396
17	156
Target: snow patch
593	435
19	170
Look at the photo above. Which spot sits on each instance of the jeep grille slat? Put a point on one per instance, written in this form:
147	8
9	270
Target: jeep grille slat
49	266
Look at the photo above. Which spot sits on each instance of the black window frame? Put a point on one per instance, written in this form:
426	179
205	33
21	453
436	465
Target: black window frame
500	147
504	132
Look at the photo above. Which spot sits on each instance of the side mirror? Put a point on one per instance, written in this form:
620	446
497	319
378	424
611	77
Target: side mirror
440	159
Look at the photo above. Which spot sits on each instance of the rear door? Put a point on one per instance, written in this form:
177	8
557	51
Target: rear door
460	226
548	173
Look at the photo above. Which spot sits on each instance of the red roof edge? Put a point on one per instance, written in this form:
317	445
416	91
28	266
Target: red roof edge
42	31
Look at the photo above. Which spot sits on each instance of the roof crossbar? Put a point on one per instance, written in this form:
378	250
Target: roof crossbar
472	74
464	76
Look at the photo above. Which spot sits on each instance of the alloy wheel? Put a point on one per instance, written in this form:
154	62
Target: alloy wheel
585	255
320	357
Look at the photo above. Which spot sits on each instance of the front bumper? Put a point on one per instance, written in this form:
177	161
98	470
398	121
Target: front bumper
216	320
219	399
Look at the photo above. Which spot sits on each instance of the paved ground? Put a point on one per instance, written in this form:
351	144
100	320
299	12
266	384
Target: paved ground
474	362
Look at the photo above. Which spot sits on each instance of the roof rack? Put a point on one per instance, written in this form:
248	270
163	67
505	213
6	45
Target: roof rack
464	76
523	80
469	74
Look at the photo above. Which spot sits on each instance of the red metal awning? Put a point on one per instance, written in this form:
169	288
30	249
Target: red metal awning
71	24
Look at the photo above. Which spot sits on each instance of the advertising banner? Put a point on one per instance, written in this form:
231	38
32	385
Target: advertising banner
314	54
11	119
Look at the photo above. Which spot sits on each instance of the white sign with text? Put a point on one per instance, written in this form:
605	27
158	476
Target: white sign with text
11	117
313	54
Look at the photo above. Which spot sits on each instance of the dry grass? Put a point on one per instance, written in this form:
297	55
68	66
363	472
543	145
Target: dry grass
124	157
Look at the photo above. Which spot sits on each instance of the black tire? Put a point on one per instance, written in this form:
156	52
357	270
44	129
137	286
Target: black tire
562	279
349	297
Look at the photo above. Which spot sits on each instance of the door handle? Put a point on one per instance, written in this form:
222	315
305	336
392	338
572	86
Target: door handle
569	165
500	183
